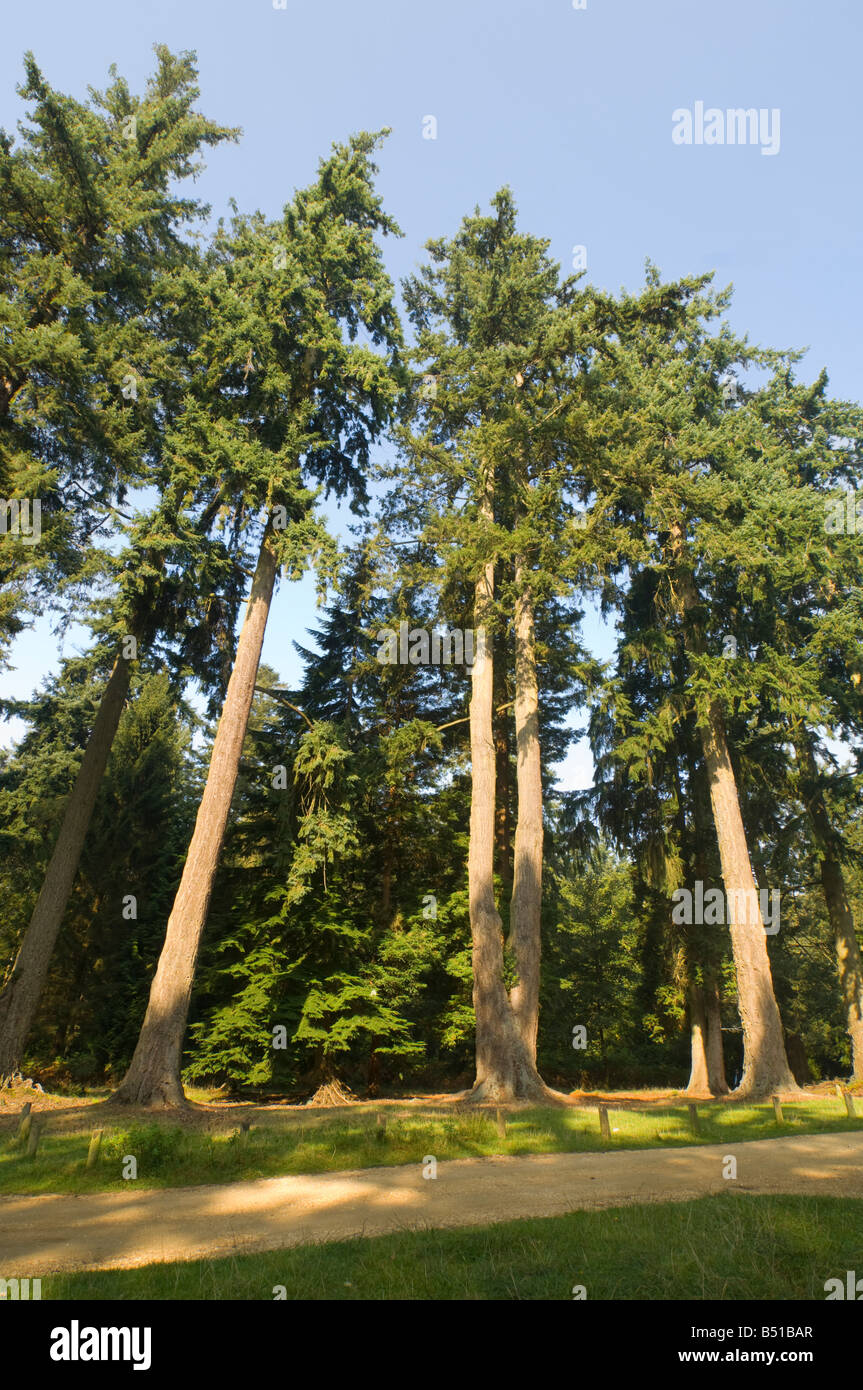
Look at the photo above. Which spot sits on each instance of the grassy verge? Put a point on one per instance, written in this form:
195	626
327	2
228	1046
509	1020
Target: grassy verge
170	1156
729	1247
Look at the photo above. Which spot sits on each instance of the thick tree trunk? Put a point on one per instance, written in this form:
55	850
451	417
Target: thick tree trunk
153	1077
710	989
848	958
699	1083
526	904
19	1000
715	1051
765	1065
503	824
504	1069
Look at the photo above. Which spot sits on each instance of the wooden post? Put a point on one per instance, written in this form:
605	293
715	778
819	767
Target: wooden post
25	1121
777	1109
693	1119
848	1099
93	1151
604	1128
501	1124
245	1131
381	1128
35	1135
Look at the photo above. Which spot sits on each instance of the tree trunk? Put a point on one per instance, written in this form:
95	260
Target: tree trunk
699	1083
797	1058
503	825
848	957
526	904
765	1065
715	1051
387	881
504	1069
710	988
153	1077
19	1000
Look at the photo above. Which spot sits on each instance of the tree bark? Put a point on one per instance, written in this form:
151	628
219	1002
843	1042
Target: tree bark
153	1077
526	903
797	1058
848	958
710	988
503	825
504	1069
699	1083
765	1065
20	997
715	1051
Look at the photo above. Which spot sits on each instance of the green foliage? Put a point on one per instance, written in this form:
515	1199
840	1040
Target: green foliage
93	220
590	971
580	441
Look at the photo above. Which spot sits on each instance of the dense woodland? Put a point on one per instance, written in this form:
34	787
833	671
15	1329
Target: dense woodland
209	878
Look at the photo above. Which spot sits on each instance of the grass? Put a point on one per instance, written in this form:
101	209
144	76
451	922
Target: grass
725	1247
168	1155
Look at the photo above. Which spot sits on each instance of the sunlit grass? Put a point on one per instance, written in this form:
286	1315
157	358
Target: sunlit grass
170	1156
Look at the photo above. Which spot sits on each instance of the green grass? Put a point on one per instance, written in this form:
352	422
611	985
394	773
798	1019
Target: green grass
170	1156
729	1247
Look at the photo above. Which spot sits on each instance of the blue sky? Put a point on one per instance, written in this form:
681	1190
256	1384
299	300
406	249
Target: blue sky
571	107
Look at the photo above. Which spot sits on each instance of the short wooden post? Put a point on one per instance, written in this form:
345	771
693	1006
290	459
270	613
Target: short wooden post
501	1124
381	1128
777	1109
25	1121
93	1151
693	1119
604	1127
35	1135
245	1131
848	1099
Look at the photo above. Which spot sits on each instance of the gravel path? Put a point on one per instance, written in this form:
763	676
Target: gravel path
118	1230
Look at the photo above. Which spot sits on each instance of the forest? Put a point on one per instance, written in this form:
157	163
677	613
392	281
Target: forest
369	880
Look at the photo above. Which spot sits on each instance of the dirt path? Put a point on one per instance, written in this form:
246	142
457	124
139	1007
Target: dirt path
116	1230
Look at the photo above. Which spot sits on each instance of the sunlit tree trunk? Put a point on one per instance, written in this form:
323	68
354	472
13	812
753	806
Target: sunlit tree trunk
153	1077
504	1068
715	1050
765	1065
526	904
503	826
698	1075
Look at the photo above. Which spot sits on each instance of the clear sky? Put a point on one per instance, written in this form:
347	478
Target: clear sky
571	107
